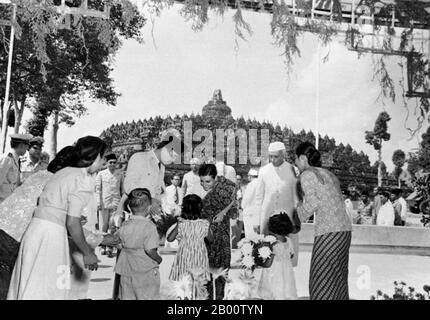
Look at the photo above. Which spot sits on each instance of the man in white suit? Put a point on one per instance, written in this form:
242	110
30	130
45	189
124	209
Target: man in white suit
277	191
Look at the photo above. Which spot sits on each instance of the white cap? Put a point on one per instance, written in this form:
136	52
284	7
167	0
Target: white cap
276	146
220	168
253	172
195	161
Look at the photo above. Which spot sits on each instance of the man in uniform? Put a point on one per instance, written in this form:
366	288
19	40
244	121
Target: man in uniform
109	190
10	164
33	161
276	191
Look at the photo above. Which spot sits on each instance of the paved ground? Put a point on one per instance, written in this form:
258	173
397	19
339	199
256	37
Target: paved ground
367	273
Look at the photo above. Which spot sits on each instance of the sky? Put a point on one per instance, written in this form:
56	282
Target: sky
176	71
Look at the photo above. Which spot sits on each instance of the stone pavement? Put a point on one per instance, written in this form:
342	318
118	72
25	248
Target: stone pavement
368	272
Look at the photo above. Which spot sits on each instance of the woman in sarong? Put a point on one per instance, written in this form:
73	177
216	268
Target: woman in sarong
219	206
322	197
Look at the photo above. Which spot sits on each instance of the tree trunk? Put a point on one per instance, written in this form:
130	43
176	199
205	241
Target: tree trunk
380	167
53	124
19	111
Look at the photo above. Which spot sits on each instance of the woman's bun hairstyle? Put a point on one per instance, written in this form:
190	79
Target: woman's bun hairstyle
311	153
81	155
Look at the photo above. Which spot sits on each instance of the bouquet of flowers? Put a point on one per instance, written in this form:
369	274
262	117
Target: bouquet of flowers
242	287
257	251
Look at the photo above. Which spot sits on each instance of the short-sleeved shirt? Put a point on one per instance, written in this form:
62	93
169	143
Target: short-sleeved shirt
144	170
29	167
192	180
68	192
137	235
9	174
404	211
386	215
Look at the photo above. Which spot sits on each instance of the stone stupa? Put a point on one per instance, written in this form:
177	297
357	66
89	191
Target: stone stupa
217	107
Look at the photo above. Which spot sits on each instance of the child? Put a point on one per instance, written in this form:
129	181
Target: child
190	231
278	281
139	260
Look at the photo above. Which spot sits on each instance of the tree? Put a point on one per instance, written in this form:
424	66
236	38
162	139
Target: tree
399	159
380	166
377	136
424	152
56	66
413	163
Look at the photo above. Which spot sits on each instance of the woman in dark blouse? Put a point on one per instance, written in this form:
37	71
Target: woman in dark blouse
219	206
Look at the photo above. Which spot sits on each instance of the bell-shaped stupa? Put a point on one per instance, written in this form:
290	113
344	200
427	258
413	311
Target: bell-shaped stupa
217	107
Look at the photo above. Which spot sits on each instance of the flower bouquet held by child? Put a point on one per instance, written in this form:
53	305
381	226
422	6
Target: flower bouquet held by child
278	282
257	251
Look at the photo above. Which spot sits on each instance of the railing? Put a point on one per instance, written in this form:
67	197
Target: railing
350	11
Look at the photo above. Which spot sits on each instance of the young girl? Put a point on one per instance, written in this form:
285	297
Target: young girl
139	260
190	231
278	281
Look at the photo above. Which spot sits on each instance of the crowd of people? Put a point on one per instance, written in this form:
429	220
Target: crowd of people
54	214
384	207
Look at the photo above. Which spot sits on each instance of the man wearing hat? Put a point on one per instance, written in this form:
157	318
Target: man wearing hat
191	180
250	210
276	191
10	164
109	190
33	161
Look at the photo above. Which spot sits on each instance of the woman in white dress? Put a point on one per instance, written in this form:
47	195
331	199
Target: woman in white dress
42	269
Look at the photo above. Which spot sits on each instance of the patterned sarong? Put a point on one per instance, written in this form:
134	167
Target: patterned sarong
328	278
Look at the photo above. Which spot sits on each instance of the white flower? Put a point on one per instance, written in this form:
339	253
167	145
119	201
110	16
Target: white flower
248	261
246	249
270	239
242	242
264	252
252	237
259	237
182	287
236	289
